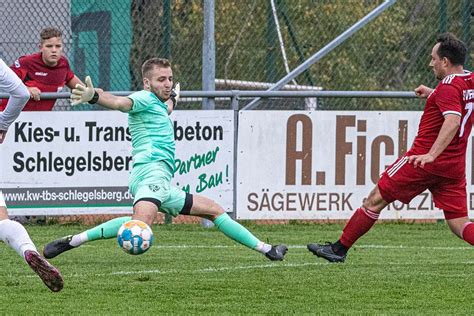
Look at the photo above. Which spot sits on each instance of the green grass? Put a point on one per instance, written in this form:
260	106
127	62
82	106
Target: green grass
395	269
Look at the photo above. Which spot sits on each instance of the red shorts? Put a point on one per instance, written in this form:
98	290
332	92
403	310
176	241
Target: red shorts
402	182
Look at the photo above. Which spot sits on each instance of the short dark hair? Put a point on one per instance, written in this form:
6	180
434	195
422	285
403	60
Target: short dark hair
50	32
452	48
151	63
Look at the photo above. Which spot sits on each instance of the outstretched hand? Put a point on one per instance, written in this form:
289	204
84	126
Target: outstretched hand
82	94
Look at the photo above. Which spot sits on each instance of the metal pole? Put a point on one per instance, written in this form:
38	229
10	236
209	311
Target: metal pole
235	94
292	34
270	60
166	27
280	38
466	29
443	16
166	51
208	54
208	66
235	107
325	50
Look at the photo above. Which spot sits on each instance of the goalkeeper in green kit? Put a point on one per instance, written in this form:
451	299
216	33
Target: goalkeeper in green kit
153	151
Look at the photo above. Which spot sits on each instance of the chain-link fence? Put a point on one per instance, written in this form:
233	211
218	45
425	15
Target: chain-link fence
256	41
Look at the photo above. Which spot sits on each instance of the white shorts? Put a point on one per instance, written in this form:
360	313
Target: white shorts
2	200
9	81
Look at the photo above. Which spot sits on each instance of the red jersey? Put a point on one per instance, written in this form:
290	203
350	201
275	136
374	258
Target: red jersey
453	95
35	73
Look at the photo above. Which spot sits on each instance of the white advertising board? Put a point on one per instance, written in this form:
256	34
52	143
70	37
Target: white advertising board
78	162
320	165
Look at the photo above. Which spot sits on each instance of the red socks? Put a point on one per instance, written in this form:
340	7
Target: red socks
363	220
468	233
360	223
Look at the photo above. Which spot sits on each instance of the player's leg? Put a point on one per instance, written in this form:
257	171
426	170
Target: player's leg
145	210
358	225
363	219
450	196
15	235
399	182
105	230
110	228
177	202
463	228
207	208
153	191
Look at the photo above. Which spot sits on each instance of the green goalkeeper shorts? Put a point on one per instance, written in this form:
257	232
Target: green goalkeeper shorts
152	182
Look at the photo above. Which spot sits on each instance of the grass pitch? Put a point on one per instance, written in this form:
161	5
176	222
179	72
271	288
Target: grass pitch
394	269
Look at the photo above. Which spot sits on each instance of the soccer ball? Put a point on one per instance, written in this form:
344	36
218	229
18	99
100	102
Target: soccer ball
135	237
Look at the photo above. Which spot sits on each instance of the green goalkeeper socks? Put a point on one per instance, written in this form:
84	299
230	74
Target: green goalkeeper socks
107	230
235	231
103	231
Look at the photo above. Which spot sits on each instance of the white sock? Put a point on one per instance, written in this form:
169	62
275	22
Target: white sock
16	236
263	247
78	239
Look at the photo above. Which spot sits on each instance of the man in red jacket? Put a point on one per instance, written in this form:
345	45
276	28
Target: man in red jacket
45	71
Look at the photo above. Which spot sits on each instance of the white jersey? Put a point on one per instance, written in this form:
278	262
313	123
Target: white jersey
10	83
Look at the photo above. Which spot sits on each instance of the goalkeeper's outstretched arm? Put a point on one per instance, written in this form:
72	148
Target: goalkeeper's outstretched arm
87	93
114	102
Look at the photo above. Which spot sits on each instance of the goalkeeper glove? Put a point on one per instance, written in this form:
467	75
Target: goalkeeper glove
175	95
82	94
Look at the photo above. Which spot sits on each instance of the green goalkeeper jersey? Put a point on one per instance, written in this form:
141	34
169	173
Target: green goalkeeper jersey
151	130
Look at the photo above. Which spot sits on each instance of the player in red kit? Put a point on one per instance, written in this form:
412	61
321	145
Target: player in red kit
45	71
436	161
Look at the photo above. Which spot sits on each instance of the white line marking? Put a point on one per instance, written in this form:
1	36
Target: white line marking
250	267
303	247
205	270
262	266
220	269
